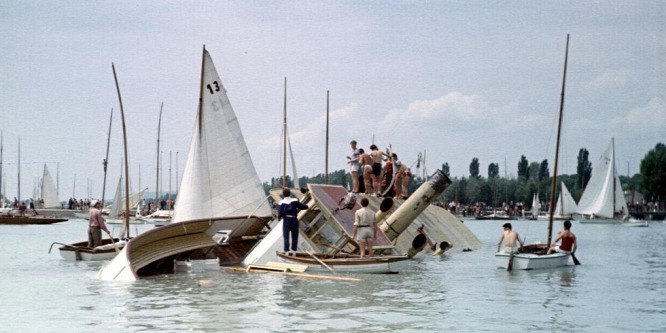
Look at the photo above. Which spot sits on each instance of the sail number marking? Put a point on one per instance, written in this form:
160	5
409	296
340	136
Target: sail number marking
215	87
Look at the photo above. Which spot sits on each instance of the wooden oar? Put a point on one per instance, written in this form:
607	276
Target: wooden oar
321	262
575	260
114	243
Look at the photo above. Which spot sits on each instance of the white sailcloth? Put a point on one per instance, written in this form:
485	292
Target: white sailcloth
219	179
603	195
49	191
566	205
117	205
535	205
293	165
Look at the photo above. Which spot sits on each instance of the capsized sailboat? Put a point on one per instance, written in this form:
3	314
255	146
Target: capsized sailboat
603	199
220	190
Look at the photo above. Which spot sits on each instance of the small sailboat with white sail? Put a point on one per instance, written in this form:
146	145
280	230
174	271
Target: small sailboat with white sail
566	205
535	256
603	200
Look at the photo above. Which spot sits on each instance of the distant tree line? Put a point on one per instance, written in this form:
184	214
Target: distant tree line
532	178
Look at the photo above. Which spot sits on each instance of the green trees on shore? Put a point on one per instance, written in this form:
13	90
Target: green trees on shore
532	178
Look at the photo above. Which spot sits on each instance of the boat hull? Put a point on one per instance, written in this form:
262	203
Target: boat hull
349	263
8	219
529	261
81	252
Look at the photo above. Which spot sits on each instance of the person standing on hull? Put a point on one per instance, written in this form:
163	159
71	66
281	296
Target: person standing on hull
509	237
365	228
569	242
376	156
96	224
288	212
355	165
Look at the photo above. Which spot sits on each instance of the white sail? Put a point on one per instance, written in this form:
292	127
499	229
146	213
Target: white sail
49	191
603	195
565	205
117	205
293	165
219	178
535	205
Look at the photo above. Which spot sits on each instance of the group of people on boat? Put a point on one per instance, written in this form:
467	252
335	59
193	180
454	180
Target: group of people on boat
369	177
510	238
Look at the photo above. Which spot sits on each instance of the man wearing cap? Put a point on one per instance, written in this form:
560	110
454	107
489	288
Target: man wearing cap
355	161
96	225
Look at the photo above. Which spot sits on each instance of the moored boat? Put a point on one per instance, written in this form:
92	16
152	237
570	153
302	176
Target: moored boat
347	263
35	219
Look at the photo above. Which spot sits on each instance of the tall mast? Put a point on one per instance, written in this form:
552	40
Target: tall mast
122	116
327	105
169	206
613	174
19	169
557	147
2	143
157	181
106	159
284	139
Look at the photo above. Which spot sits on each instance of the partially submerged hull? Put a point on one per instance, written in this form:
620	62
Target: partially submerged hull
342	263
154	251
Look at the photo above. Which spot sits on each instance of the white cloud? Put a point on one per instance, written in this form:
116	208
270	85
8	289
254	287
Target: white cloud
452	106
610	79
652	115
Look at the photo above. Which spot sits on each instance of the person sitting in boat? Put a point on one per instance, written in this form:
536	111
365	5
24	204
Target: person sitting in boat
365	228
95	225
509	237
569	243
288	211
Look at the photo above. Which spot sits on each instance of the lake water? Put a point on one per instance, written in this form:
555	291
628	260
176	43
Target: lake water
620	287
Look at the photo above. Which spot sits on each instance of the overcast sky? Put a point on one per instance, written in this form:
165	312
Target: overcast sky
457	80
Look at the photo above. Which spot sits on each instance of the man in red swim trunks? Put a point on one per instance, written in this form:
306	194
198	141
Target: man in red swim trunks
568	244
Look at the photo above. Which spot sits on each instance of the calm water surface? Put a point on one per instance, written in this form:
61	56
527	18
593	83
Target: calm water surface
620	287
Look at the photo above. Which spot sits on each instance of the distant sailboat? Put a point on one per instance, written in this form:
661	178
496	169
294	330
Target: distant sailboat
49	191
603	199
566	205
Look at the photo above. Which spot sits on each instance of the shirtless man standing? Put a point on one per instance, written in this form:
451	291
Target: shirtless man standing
376	156
366	163
509	237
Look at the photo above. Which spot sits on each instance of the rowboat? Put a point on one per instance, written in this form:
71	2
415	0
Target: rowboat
82	252
347	263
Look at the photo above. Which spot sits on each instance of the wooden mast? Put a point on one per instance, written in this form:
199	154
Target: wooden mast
557	148
122	117
284	139
326	168
106	159
157	180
